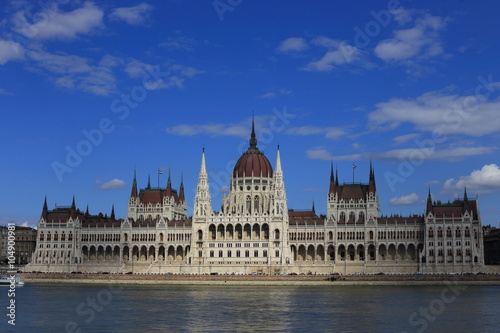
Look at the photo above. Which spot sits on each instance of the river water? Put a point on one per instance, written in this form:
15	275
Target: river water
165	308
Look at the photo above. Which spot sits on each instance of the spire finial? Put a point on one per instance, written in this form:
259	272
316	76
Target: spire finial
149	181
253	139
169	182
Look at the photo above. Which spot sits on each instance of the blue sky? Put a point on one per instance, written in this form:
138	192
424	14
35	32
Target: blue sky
90	91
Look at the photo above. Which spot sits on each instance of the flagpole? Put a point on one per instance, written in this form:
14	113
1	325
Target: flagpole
353	167
158	178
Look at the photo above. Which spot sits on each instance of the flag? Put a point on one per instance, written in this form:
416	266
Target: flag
160	172
354	166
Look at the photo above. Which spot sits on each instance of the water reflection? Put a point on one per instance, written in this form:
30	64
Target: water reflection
49	308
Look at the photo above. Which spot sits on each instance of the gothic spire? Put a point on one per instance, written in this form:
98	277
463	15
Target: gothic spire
181	189
429	201
336	177
112	212
253	138
149	181
134	185
45	209
332	180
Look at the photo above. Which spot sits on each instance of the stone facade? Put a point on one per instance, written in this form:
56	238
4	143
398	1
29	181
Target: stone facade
255	232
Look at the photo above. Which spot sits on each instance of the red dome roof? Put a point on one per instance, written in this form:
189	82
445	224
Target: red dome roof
253	162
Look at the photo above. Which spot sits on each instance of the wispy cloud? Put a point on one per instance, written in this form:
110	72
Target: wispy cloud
75	72
480	181
114	184
60	25
436	110
136	15
338	53
332	133
171	75
405	138
240	129
404	200
293	44
398	155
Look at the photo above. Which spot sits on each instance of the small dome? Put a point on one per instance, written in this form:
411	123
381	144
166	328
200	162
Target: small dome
253	162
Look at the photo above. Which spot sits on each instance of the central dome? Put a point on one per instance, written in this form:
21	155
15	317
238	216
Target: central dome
253	162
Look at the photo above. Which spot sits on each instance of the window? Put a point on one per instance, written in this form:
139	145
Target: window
247	253
277	253
220	254
255	253
212	254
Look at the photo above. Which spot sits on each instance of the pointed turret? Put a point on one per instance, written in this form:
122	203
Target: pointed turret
332	181
168	191
87	211
336	177
112	212
371	184
429	201
45	209
134	186
149	181
279	187
203	202
73	208
181	190
313	209
466	201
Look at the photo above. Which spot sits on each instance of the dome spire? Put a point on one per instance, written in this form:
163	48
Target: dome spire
253	139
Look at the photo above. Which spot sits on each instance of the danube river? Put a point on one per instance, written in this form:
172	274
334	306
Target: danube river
168	308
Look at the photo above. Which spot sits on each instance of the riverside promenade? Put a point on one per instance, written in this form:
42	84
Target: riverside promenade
283	280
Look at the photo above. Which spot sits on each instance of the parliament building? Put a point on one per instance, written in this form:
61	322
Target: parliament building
256	233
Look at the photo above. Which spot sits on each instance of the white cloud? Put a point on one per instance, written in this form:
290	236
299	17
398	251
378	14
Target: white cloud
241	129
404	200
113	184
480	181
179	42
136	15
75	72
421	40
168	77
405	138
329	132
268	95
9	51
293	44
409	154
441	113
60	24
338	53
212	129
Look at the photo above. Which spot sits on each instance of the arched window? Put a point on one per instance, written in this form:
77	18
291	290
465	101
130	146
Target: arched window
256	204
431	232
200	235
342	216
362	216
249	204
352	216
